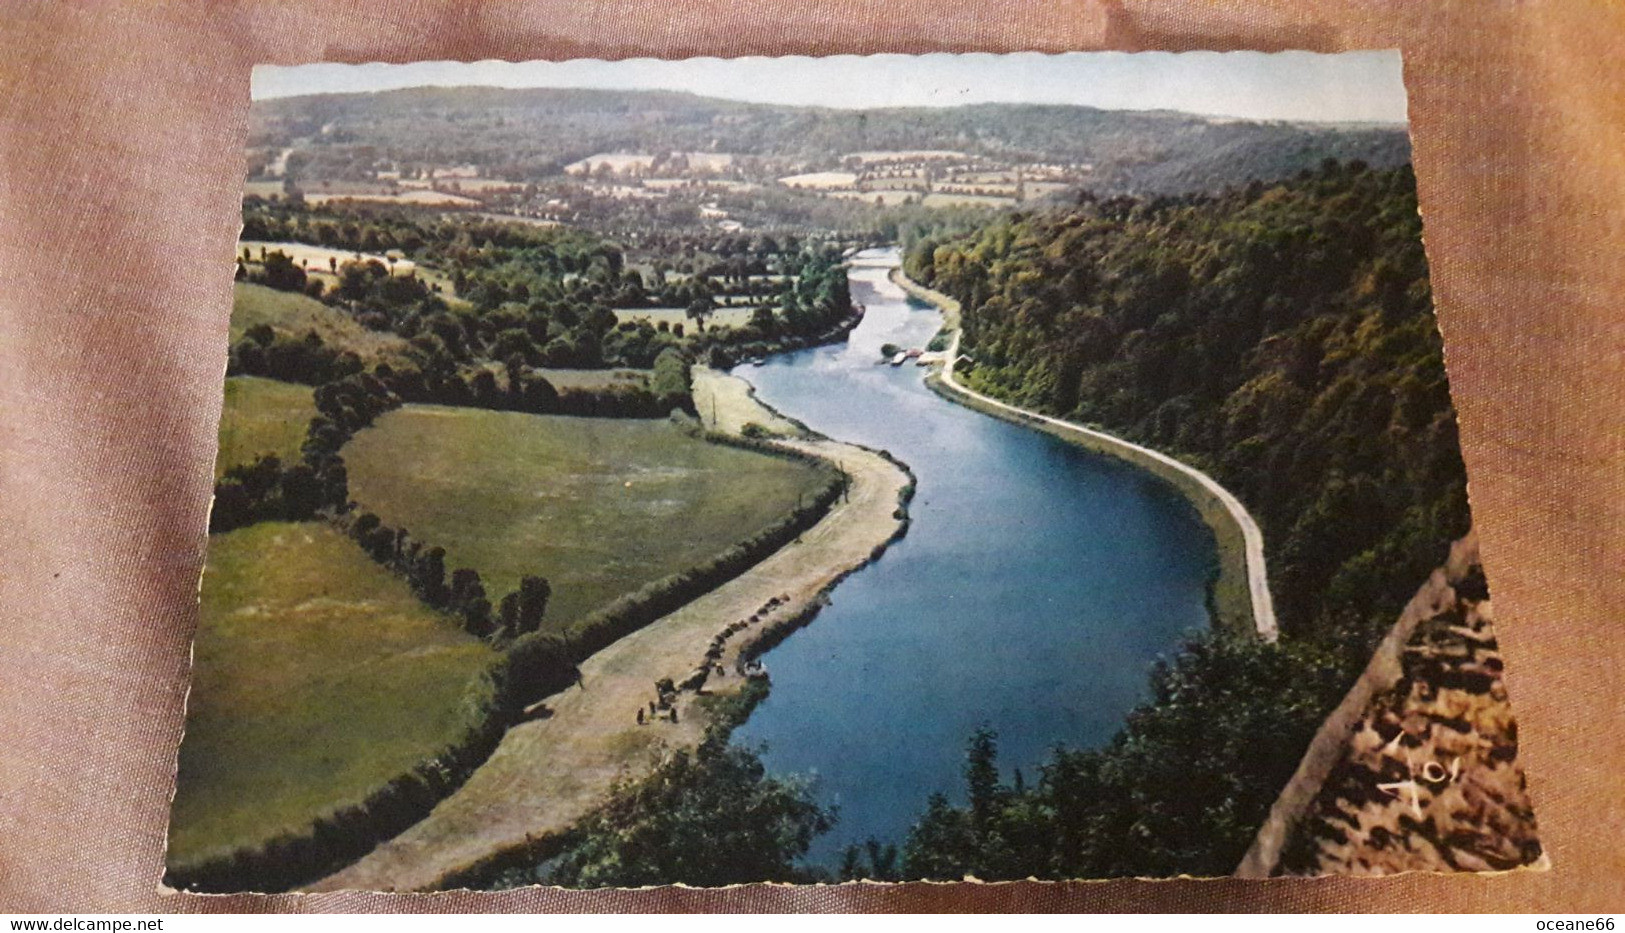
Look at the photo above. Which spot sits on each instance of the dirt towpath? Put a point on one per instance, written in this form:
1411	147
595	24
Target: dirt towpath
548	773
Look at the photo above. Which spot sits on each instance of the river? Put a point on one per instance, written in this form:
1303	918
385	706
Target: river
1036	587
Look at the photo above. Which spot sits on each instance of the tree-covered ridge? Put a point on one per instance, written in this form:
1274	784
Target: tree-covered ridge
1280	337
530	133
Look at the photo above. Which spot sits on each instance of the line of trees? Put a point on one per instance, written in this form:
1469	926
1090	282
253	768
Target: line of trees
307	360
266	490
462	594
318	486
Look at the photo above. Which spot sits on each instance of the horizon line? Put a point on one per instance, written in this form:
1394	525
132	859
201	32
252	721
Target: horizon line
844	109
1356	87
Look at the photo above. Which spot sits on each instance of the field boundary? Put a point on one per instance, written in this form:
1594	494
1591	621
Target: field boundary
531	667
551	770
483	873
1200	489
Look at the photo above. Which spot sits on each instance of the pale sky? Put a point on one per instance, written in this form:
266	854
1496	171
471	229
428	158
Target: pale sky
1352	86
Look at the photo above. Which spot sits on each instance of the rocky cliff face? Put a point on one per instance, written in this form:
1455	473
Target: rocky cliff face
1428	779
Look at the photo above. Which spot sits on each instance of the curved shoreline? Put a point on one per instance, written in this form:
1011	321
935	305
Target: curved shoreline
1261	604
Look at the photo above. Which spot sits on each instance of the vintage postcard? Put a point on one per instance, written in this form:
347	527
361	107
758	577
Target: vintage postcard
818	469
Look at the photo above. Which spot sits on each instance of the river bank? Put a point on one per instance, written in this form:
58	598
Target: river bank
1038	583
551	771
1240	595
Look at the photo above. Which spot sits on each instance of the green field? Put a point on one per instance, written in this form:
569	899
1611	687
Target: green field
318	677
598	506
294	315
262	416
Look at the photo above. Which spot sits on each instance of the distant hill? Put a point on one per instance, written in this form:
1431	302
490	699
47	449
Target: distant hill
534	133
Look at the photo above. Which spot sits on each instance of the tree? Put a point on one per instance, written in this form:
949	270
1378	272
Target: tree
261	334
429	577
522	610
539	394
982	774
534	592
280	272
710	817
514	369
467	599
700	311
669	381
484	388
873	861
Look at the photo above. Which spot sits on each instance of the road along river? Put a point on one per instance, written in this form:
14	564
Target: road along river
1036	586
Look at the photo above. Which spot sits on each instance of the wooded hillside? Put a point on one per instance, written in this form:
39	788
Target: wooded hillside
1279	336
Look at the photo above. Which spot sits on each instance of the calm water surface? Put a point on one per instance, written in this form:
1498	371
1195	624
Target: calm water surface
1035	588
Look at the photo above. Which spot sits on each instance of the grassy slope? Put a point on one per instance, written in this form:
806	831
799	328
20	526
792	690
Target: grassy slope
262	416
316	258
294	315
599	507
318	677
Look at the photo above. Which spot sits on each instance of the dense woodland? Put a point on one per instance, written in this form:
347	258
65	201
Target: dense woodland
528	296
1281	337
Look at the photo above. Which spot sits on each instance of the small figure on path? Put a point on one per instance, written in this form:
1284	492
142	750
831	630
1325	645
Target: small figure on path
640	715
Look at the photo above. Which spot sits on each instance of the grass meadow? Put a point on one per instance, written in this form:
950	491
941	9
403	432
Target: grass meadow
317	677
262	416
598	506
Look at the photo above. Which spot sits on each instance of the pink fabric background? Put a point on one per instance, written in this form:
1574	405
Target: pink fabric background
121	130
